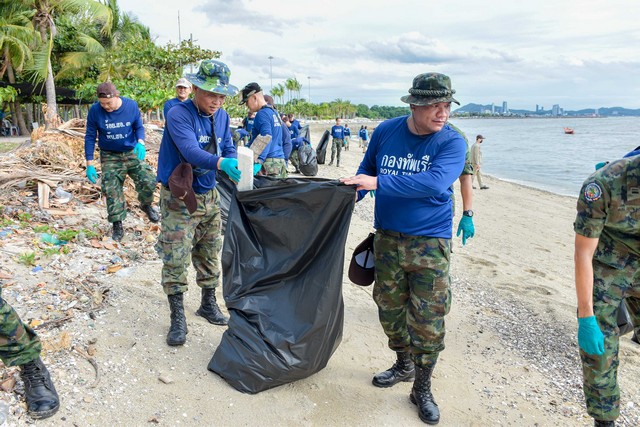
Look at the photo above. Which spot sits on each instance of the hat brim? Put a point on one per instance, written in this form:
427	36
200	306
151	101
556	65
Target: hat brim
362	265
422	101
229	90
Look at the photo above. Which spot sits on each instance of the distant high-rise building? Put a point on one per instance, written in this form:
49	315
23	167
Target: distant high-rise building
555	110
536	108
505	110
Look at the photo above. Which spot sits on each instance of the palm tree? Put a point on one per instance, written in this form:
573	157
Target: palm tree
16	34
278	92
44	21
98	49
290	85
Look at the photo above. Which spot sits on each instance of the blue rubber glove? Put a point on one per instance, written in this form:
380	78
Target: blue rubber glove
601	165
465	226
256	168
590	337
230	167
140	151
372	193
92	175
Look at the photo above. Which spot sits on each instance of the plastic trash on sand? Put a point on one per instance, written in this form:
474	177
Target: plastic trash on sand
282	261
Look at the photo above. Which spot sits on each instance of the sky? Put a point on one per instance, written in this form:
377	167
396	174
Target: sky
577	54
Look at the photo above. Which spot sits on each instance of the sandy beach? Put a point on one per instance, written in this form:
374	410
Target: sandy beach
511	355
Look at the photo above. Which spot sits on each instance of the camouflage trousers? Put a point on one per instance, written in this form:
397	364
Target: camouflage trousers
276	168
600	373
336	149
295	159
115	168
19	344
413	293
188	237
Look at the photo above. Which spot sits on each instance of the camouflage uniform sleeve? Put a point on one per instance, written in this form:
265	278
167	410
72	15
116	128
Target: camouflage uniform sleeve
468	165
593	206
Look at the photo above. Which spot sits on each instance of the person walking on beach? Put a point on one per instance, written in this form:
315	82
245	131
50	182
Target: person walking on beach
196	145
412	163
20	346
365	139
267	138
183	90
347	136
337	133
117	123
476	159
607	270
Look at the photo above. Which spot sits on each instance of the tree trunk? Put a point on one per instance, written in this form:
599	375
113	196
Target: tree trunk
18	118
29	109
76	111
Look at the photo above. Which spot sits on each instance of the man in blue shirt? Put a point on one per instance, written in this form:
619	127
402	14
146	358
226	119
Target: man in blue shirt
412	162
267	135
337	132
195	147
183	90
117	124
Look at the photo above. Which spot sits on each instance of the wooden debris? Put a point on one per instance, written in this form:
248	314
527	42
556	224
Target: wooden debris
93	363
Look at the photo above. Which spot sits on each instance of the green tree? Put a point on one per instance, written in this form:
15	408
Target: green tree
100	48
16	36
278	93
46	13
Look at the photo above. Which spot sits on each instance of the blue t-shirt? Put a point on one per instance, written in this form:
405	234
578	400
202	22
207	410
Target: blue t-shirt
293	131
248	123
296	124
117	131
167	106
415	174
267	122
337	132
347	131
190	132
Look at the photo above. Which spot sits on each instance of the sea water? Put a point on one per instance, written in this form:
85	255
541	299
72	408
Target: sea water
537	152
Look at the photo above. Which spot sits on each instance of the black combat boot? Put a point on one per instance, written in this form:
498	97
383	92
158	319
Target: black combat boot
209	308
152	214
118	231
635	338
600	423
39	392
422	397
402	370
178	330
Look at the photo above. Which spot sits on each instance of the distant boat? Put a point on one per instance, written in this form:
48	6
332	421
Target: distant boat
568	131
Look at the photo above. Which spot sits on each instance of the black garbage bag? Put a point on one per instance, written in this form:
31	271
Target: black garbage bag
321	149
307	159
282	263
226	188
305	132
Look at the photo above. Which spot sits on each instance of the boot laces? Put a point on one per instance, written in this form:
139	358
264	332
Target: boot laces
33	375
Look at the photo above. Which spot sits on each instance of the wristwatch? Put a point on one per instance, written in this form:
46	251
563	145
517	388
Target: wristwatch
467	213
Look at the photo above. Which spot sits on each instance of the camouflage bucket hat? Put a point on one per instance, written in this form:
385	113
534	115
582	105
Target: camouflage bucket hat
213	76
430	88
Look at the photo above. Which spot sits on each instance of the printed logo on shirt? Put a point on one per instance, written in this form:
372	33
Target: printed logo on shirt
204	139
592	192
392	165
276	122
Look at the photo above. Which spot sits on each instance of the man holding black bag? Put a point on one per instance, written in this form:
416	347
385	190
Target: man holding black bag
196	145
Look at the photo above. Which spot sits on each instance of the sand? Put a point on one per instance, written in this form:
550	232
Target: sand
510	357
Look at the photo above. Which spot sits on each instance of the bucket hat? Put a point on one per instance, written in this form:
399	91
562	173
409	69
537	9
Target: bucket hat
430	88
180	184
362	267
213	76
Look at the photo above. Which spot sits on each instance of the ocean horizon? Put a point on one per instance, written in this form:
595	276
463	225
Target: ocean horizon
537	153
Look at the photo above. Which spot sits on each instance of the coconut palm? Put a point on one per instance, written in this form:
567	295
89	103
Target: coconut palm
278	92
99	48
16	34
44	21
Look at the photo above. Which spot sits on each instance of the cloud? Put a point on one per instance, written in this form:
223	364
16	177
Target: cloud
236	12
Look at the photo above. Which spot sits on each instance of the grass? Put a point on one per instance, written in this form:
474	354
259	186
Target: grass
8	146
